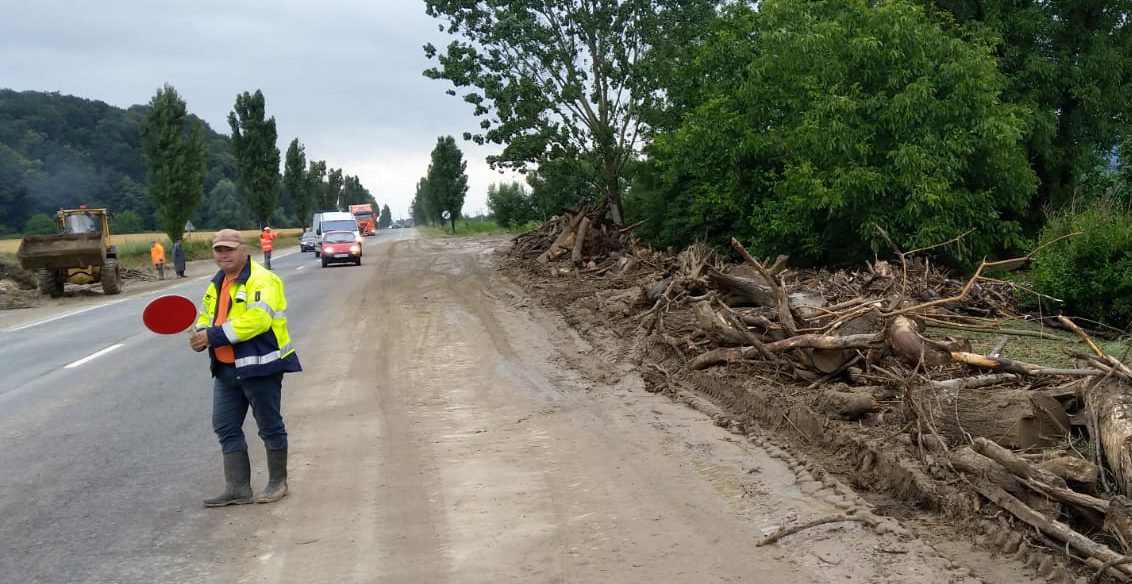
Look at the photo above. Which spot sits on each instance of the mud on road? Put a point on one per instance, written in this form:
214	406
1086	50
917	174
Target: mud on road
492	424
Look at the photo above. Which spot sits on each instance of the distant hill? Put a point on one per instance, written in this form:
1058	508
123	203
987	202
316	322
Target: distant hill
61	151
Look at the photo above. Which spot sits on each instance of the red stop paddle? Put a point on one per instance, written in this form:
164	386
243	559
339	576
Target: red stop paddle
169	314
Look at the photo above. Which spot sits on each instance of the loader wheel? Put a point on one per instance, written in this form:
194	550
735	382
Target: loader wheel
50	282
111	277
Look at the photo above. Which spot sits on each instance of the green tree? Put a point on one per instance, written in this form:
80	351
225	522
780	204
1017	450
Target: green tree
386	219
509	204
420	207
1070	63
563	79
127	221
841	117
40	224
561	183
257	156
174	151
332	189
354	193
295	179
446	180
222	208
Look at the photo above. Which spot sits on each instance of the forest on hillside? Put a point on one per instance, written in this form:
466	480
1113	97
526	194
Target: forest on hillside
61	151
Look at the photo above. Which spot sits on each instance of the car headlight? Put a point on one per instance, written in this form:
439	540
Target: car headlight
355	249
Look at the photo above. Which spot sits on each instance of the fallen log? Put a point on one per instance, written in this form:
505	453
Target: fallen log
906	342
813	341
1017	367
846	405
1037	478
740	291
1110	404
1012	417
967	461
973	382
1096	555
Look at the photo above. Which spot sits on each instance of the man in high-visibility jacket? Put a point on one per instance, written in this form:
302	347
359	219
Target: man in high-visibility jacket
266	237
157	258
243	324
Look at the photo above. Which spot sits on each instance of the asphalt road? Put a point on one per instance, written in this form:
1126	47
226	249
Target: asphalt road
106	445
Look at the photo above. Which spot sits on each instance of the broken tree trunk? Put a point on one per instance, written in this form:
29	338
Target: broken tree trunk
740	291
579	241
1111	404
1014	418
906	342
846	405
565	240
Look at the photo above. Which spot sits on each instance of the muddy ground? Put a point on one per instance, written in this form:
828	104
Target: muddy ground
875	456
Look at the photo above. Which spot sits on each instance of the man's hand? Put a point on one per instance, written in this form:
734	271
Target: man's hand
198	340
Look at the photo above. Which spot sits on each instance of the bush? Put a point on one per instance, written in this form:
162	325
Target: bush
1091	273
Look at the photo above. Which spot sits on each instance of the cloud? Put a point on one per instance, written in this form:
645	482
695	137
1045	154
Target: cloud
344	77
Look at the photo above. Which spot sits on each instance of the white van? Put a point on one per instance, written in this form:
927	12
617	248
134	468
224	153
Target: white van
325	221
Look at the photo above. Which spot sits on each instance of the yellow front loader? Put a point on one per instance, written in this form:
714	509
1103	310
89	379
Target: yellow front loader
79	254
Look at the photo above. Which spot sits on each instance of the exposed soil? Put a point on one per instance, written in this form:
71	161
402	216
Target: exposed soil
890	475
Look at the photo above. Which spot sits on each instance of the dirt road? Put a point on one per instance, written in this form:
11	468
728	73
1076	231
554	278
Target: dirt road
448	429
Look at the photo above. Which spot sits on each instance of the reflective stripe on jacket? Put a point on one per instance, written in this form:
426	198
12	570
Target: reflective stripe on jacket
265	241
256	326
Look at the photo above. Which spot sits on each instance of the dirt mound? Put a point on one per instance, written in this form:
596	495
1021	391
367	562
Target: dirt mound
18	287
841	367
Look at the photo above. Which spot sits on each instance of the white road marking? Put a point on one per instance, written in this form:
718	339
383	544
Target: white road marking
59	316
92	357
300	267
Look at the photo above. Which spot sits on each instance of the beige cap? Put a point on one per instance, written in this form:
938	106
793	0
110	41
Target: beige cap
227	238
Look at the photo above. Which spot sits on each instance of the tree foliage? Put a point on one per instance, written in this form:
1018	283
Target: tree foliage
257	156
1090	273
568	78
1071	63
510	204
819	121
174	152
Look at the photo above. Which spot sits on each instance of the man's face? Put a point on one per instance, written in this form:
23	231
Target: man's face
230	259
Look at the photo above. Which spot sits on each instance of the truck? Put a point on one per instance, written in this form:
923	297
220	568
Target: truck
363	214
324	221
80	253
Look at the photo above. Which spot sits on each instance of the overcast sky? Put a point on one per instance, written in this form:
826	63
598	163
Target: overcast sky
342	76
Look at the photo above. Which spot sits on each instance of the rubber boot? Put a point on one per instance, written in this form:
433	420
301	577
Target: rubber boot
276	477
237	479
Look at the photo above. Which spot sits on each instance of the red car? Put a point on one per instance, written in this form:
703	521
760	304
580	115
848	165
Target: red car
340	247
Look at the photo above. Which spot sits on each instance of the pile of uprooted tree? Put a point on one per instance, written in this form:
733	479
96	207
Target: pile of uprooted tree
858	341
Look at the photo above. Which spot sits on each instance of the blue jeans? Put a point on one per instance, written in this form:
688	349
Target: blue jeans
230	400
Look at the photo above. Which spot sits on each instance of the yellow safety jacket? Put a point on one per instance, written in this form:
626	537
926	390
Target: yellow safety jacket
256	325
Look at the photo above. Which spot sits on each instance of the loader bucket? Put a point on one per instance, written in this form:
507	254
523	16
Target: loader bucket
69	250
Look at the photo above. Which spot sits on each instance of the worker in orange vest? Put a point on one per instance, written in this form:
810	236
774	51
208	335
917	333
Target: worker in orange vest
265	238
157	258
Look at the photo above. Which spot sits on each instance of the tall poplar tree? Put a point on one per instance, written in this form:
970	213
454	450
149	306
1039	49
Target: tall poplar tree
295	179
447	181
174	152
257	156
386	219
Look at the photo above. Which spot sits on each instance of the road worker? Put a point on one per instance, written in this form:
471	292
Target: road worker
243	324
266	237
157	258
